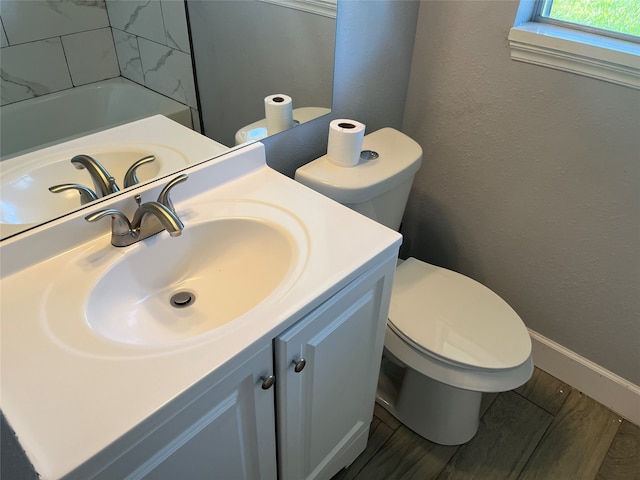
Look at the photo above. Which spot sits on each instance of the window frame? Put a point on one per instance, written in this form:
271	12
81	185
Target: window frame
556	46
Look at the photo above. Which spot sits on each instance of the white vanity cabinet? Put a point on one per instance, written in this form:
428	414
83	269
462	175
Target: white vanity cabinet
233	425
323	410
232	439
226	432
327	368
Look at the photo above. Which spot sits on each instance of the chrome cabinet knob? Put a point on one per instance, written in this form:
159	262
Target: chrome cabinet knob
299	365
268	381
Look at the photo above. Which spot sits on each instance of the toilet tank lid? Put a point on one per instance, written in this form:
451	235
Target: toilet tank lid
399	159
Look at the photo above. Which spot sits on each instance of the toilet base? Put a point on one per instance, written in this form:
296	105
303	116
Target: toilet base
438	412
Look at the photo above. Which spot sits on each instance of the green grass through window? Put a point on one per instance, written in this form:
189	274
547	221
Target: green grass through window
617	15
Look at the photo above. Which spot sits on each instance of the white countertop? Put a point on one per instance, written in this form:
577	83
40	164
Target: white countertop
65	403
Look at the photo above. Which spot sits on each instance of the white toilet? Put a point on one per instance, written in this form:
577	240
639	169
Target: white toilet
448	337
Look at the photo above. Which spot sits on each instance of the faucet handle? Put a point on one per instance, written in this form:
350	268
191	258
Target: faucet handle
164	198
86	194
113	186
120	224
130	178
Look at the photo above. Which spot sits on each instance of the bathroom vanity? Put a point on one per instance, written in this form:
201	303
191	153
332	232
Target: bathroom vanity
270	373
322	373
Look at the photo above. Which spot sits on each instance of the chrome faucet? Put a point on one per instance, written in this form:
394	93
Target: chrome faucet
164	198
150	218
103	182
102	179
130	177
86	194
153	217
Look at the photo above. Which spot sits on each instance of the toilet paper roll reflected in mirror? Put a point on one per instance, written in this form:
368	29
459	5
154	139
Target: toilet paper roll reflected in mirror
278	110
345	142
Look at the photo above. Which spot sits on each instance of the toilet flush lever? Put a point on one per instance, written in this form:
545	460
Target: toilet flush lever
299	365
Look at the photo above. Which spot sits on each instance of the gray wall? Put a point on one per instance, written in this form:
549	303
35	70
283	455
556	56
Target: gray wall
530	182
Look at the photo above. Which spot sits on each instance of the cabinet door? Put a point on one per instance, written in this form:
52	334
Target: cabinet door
227	432
324	411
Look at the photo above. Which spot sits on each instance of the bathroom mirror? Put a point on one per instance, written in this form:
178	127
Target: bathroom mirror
240	52
271	47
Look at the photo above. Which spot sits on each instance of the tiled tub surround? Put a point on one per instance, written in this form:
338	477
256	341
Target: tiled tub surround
152	44
48	46
38	122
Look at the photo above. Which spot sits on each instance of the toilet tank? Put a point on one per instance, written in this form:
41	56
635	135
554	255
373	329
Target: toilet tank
377	188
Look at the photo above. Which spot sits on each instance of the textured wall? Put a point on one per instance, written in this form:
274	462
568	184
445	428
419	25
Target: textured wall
530	182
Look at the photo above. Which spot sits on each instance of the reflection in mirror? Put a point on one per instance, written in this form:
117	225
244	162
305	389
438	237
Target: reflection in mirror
66	65
49	119
275	49
45	184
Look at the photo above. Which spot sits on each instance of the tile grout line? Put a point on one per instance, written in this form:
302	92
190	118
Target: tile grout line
542	437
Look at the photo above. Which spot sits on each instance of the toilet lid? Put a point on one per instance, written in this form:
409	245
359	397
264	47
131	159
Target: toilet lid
448	315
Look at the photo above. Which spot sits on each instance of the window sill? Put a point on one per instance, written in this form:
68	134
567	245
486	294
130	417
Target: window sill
608	59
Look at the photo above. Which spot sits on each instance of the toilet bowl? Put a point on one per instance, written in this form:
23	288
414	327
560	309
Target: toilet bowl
448	338
455	339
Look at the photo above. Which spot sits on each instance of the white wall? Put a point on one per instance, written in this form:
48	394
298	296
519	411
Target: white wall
530	181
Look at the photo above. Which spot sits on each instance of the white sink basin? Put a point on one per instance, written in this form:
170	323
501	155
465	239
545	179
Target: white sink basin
220	268
25	180
217	271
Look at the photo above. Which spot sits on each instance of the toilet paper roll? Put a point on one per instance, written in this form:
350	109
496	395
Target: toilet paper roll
278	110
345	142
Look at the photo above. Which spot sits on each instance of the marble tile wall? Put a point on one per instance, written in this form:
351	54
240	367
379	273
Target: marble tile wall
49	46
152	45
52	46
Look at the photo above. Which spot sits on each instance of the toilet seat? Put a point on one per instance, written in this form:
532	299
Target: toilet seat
442	318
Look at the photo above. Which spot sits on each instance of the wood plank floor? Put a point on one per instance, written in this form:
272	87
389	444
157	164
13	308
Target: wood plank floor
543	430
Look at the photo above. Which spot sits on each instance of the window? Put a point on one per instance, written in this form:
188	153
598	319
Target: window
595	38
613	18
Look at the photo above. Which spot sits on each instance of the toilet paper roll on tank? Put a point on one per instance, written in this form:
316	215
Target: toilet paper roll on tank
345	142
278	110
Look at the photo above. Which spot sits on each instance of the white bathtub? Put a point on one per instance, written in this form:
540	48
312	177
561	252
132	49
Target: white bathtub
49	119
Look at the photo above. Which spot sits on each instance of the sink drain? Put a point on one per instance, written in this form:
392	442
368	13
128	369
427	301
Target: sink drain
182	299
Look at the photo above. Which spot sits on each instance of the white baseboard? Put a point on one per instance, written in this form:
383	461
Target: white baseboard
614	392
